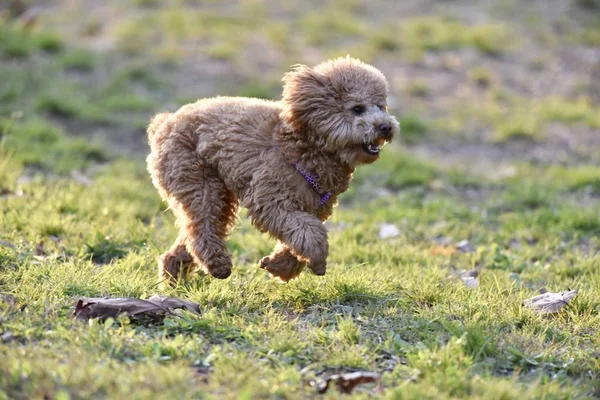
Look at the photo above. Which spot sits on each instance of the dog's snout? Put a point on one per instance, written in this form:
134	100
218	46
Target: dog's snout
386	130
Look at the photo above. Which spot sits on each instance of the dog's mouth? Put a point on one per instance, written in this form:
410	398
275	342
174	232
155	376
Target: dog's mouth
373	148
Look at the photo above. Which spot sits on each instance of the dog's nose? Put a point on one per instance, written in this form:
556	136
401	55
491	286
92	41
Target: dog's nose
386	129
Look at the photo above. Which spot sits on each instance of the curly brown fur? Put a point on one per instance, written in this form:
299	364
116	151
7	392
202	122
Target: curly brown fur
213	155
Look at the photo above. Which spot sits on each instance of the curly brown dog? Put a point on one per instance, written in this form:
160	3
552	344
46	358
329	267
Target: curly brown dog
285	161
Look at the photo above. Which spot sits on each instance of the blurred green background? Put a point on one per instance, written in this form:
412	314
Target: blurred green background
467	79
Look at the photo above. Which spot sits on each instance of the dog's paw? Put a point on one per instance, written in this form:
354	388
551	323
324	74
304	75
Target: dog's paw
318	268
172	268
282	268
221	272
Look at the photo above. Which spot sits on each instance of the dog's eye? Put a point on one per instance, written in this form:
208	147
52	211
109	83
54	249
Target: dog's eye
358	109
382	107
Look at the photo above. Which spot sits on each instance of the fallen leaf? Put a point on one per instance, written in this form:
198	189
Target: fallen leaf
6	193
346	382
153	309
549	302
443	250
465	246
387	231
7	244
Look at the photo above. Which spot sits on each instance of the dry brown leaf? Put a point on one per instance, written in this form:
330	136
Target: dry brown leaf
153	309
549	302
347	382
443	250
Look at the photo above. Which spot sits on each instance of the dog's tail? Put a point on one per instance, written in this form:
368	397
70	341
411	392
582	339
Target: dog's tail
155	123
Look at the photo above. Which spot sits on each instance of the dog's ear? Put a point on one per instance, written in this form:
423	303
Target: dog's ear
304	92
302	75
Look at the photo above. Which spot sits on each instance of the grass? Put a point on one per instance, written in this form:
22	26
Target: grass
39	144
384	306
78	60
78	220
511	116
413	128
434	33
418	88
481	76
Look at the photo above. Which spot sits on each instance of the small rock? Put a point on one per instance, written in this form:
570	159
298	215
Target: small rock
514	244
465	246
6	337
387	231
469	278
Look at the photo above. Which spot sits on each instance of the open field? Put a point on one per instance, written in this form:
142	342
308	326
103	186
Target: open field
498	171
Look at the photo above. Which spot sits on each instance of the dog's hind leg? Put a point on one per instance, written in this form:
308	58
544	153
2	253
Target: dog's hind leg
176	263
204	207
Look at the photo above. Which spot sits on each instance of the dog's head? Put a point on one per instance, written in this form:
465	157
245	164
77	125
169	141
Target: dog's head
341	105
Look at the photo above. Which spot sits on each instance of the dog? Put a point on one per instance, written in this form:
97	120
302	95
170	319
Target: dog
285	161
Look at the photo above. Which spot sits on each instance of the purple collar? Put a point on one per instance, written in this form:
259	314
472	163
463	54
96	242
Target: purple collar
313	181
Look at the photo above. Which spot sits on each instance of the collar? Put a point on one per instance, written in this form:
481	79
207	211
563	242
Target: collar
313	181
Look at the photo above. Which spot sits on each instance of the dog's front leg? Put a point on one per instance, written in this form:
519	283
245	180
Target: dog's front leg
282	263
303	233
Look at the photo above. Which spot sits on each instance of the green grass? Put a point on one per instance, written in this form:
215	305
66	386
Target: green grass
434	33
41	145
481	76
78	60
17	42
392	306
511	116
383	306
